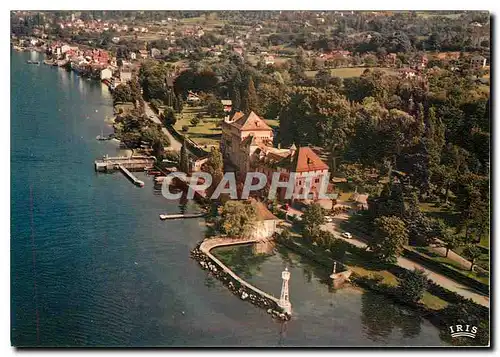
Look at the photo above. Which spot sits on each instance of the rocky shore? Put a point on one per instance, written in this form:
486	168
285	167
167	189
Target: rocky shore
243	292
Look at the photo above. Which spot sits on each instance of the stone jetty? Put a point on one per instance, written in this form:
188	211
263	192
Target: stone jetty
233	282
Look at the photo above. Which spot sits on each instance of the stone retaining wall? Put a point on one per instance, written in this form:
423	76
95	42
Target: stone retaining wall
233	282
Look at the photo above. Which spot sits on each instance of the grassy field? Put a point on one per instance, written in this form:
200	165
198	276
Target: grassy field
352	71
482	277
125	107
450	217
206	133
429	14
254	59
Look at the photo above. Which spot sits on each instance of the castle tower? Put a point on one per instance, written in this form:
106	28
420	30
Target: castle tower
284	302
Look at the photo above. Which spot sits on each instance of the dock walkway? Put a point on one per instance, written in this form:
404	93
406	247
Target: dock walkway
131	163
131	176
211	243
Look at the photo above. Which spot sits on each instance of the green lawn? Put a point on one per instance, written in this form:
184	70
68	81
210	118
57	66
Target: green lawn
207	132
125	107
433	301
428	14
370	269
481	277
352	71
450	217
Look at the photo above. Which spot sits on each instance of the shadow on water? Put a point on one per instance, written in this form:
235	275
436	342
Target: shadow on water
381	320
241	259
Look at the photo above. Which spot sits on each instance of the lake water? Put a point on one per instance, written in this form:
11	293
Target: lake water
96	267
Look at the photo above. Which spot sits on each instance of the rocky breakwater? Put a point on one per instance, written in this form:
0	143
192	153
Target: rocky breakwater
237	286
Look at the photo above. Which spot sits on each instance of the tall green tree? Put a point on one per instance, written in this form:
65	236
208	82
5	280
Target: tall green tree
238	218
389	239
215	167
184	160
249	100
312	219
169	116
472	253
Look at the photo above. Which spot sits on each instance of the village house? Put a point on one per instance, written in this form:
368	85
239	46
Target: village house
238	50
420	61
155	53
227	104
125	76
106	73
269	60
407	73
266	223
64	49
391	58
477	62
193	98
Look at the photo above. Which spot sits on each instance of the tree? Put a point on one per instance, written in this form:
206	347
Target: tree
285	235
178	103
413	284
122	93
249	101
472	252
214	107
195	121
238	218
450	241
389	239
184	161
215	167
235	92
169	116
312	218
323	77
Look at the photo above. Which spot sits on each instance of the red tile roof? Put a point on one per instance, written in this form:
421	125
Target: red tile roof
303	160
250	122
263	214
307	160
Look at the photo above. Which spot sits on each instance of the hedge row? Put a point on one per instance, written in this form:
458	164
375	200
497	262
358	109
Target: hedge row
443	269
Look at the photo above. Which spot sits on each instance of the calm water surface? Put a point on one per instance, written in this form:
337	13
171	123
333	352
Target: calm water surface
101	269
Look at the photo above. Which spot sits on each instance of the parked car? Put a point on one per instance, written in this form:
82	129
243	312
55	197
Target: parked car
329	219
347	235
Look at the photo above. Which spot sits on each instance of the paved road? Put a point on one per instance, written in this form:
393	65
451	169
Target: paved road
439	279
174	143
403	262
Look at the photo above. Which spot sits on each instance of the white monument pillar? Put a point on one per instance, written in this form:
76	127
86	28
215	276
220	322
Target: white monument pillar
284	302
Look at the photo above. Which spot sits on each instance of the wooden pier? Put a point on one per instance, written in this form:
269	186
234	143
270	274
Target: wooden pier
131	163
177	216
130	176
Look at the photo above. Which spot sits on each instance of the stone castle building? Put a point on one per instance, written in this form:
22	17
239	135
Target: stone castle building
247	143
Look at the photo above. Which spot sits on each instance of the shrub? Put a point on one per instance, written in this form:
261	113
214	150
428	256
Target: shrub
185	128
195	121
412	285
